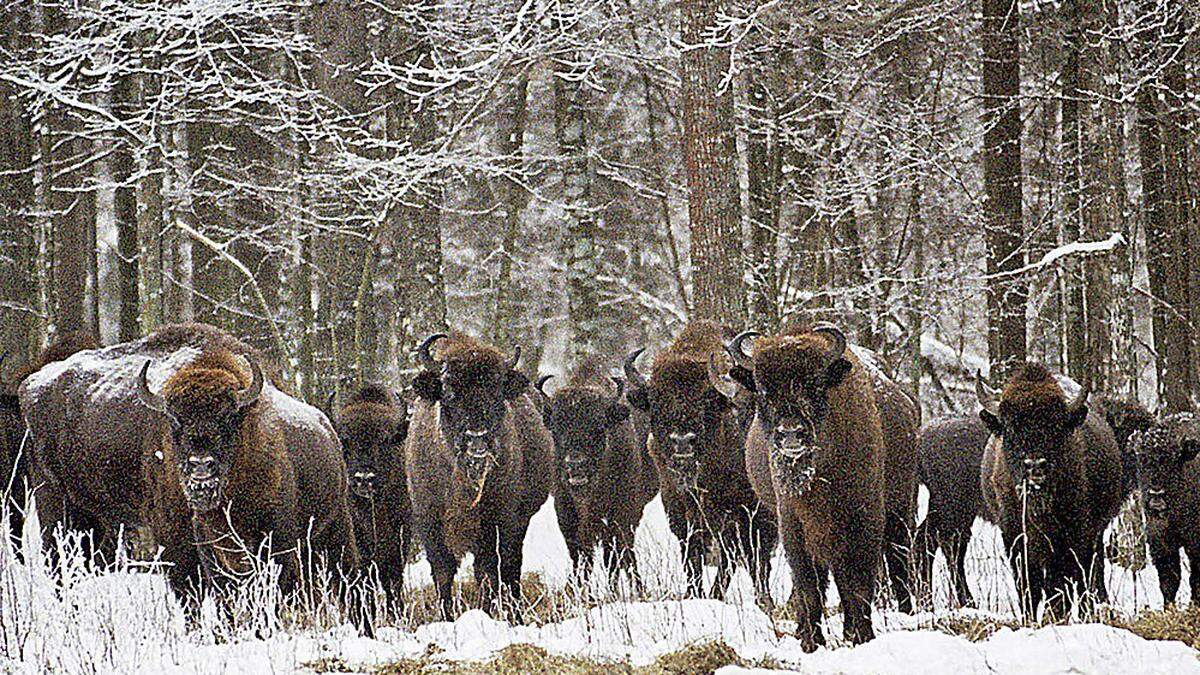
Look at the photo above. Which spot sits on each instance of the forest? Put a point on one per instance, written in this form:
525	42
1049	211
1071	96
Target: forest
951	182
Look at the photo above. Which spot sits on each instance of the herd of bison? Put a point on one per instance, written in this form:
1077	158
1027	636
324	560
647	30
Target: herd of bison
751	440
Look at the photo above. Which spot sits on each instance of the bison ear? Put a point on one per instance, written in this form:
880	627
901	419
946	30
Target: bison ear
990	421
616	414
743	376
428	385
515	385
837	372
1188	450
638	398
1076	418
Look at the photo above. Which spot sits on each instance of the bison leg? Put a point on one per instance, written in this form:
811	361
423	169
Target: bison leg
1193	551
954	545
1165	554
855	579
693	548
809	579
897	535
512	559
487	567
443	566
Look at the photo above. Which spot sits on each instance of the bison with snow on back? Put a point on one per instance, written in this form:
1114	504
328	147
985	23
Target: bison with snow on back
1169	478
373	426
1051	479
698	447
168	434
816	455
604	477
480	463
13	460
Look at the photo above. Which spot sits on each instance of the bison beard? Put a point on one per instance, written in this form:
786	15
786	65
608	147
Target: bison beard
816	456
1051	479
479	464
697	446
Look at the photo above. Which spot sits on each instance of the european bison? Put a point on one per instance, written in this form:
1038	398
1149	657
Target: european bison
697	448
480	463
817	457
1051	479
13	460
1125	418
604	477
372	427
1169	477
203	430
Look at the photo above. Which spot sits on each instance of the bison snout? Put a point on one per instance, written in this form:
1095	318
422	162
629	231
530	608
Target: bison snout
362	483
1035	471
201	467
1156	501
683	445
478	445
577	469
793	439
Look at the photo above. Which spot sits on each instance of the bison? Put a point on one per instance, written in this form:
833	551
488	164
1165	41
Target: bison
817	458
1169	477
697	447
1125	418
604	479
480	463
13	460
165	434
1051	479
372	427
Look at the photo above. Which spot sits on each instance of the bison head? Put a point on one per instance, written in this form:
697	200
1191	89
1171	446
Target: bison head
372	428
1161	452
579	418
791	376
206	403
472	386
1033	421
8	396
687	401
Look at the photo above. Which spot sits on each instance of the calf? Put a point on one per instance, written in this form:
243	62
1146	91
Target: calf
1169	478
480	463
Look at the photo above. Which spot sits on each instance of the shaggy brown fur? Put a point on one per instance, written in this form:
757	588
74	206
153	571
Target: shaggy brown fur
259	497
372	427
13	462
475	493
601	487
90	434
1126	418
830	496
1051	479
697	446
1169	477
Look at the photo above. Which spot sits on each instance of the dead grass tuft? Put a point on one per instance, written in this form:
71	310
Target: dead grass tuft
1172	623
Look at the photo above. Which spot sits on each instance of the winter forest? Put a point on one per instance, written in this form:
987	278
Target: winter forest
960	186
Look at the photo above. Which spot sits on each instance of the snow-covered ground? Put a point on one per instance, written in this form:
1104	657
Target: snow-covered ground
127	621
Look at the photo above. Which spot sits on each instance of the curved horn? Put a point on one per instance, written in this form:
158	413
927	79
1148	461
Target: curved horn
632	374
541	382
835	335
329	403
620	388
251	393
986	395
1081	399
3	358
423	350
724	386
738	352
516	358
148	398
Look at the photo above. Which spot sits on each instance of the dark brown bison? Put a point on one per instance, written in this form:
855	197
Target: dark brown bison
13	460
697	447
950	453
187	411
372	427
604	478
816	455
1169	478
480	463
1125	418
1051	479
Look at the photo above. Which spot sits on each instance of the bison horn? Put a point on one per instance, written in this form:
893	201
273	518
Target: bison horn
148	398
631	372
251	393
986	395
836	337
541	383
423	350
3	358
1081	399
516	358
738	352
620	388
724	386
329	403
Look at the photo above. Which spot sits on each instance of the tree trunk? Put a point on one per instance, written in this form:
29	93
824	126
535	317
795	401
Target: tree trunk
710	164
1004	228
763	177
513	200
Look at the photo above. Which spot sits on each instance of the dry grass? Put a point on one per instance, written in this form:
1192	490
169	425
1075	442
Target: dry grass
1172	623
539	604
1127	545
975	629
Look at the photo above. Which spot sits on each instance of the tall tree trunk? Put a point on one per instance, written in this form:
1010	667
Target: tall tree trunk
1074	283
513	200
1007	293
763	177
710	164
17	142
